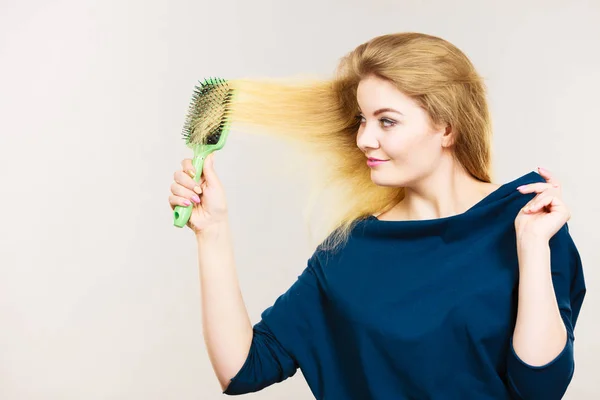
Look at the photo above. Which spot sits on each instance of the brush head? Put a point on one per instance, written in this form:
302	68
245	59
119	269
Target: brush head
208	114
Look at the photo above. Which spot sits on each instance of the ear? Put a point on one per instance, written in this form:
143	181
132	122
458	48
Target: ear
448	136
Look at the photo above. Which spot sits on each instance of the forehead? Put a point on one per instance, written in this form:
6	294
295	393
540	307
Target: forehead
373	91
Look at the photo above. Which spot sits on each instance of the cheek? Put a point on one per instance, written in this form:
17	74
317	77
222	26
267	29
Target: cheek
401	146
419	148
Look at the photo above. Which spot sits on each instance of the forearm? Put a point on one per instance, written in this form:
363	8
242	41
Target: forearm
540	334
226	325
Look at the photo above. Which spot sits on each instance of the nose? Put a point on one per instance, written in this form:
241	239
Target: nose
366	138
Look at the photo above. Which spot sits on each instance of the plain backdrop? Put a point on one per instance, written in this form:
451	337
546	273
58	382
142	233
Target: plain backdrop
99	293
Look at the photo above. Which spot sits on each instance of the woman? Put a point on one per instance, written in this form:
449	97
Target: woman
439	284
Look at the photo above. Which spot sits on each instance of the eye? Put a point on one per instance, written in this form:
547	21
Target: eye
388	121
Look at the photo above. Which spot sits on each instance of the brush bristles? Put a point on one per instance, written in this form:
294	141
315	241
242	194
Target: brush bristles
208	112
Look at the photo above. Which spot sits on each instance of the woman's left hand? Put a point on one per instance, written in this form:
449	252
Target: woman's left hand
546	213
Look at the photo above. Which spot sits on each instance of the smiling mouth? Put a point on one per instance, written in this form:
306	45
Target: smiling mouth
373	163
375	160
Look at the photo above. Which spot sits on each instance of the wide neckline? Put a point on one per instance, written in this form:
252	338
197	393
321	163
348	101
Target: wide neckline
499	192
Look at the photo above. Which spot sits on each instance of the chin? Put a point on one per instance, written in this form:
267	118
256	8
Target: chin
392	178
382	181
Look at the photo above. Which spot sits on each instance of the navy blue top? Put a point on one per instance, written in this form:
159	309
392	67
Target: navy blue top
419	309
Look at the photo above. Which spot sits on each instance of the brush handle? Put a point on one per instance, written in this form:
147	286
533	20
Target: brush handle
181	214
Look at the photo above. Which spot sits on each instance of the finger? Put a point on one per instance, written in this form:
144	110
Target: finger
175	201
185	180
534	187
547	176
208	170
531	202
182	191
188	167
539	203
191	172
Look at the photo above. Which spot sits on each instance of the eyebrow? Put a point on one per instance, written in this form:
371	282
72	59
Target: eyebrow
381	110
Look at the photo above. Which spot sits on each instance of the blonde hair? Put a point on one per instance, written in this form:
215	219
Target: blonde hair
321	115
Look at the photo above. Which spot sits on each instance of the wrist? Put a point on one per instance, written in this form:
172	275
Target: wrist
213	230
530	249
531	239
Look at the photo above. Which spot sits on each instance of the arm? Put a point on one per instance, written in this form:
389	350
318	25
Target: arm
285	337
551	290
226	325
540	334
248	358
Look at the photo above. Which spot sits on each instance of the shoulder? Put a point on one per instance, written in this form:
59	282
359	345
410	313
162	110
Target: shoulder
488	188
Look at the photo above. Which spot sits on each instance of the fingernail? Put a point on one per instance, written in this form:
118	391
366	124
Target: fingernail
198	189
520	187
556	185
191	173
542	169
196	199
186	202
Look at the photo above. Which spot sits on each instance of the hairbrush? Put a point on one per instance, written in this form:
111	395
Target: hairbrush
206	129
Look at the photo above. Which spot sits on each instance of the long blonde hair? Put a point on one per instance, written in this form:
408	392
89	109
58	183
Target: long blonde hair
321	115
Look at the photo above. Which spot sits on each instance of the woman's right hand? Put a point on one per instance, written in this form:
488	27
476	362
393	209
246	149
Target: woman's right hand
208	197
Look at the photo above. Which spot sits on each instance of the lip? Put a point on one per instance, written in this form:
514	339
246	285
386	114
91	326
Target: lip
375	159
371	162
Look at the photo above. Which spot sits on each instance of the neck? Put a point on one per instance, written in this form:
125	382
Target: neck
446	191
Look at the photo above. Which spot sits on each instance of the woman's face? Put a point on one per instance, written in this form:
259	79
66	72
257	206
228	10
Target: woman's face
403	134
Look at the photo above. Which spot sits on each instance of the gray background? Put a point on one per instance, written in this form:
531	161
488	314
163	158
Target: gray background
99	293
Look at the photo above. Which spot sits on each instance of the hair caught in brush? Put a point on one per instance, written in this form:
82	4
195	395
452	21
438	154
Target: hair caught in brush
320	115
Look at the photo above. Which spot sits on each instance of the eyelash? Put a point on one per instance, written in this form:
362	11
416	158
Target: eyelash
391	122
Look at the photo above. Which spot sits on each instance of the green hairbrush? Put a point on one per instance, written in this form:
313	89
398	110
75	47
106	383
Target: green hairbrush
205	129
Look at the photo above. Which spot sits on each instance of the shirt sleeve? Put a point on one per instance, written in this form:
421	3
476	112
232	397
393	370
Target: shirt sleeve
550	381
281	335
